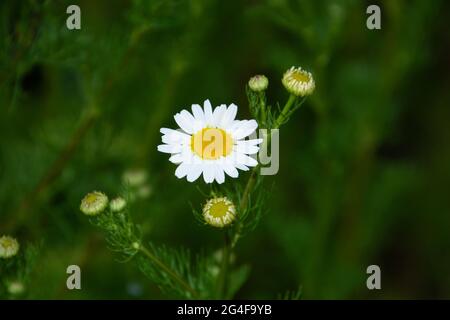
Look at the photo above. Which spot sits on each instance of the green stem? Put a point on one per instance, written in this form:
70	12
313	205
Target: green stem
243	206
252	179
222	287
244	201
168	271
262	105
248	188
284	113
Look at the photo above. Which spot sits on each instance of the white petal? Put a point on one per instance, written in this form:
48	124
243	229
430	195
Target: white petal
169	148
251	142
228	116
246	160
174	135
247	146
230	170
209	120
208	173
197	111
194	173
234	125
220	176
177	158
168	131
184	122
247	149
182	170
188	116
246	128
242	167
175	139
218	114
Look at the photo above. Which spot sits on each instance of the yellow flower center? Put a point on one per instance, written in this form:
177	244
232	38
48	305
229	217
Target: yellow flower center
211	143
219	209
7	243
91	198
300	76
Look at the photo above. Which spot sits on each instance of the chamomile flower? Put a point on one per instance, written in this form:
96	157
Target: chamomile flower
210	142
8	247
298	82
94	203
219	212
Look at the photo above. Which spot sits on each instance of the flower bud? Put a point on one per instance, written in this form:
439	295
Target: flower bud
8	247
117	204
15	288
258	83
298	82
94	203
134	177
219	212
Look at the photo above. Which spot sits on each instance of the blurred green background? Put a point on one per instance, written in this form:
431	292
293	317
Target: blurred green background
365	164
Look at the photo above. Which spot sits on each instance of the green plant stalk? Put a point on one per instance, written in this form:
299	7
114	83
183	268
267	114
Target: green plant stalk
285	112
222	284
228	246
167	270
262	102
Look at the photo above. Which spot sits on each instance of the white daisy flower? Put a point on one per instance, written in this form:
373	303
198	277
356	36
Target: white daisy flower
210	142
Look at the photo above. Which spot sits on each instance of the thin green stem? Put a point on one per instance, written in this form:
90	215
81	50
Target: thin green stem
248	188
168	271
243	205
262	105
252	179
245	198
222	285
284	113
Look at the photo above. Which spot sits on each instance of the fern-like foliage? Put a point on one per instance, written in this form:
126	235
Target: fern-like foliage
176	272
291	294
184	275
16	272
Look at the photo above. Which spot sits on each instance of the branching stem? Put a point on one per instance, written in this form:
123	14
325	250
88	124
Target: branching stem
168	270
284	113
229	245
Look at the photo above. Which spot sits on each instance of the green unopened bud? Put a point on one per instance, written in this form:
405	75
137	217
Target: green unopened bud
94	203
298	82
258	83
136	245
15	288
117	204
8	247
219	212
134	177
